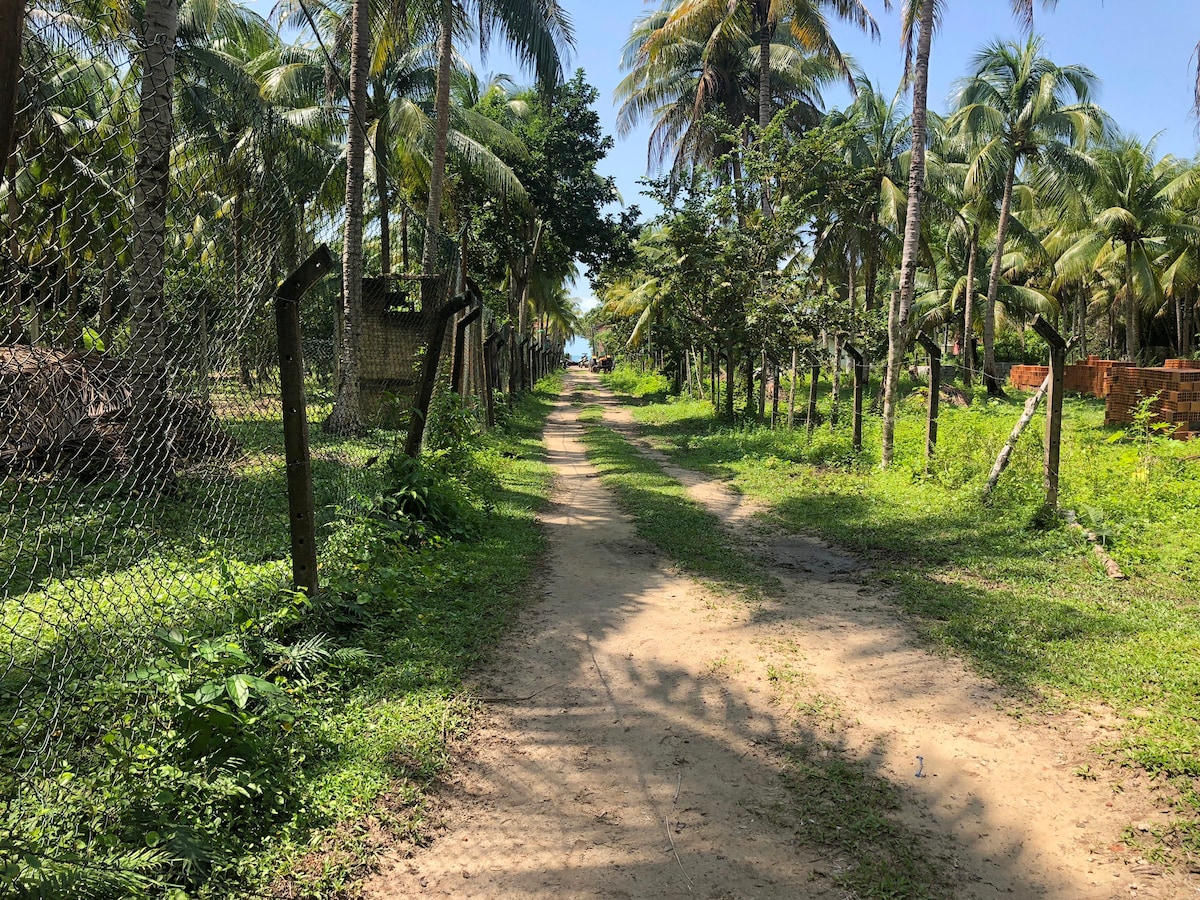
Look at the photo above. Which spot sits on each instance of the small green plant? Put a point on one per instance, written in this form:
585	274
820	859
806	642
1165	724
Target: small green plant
1145	426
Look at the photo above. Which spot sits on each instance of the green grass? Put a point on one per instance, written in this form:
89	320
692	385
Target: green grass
633	382
665	515
341	753
848	806
1028	606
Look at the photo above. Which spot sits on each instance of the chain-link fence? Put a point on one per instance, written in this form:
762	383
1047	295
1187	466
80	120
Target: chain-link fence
151	207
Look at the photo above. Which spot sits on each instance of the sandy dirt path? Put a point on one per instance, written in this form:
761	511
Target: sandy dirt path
646	761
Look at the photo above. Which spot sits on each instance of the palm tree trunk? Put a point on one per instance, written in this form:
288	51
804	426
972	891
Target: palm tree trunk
12	25
898	323
108	313
991	381
835	392
151	456
791	418
15	325
1177	315
730	375
404	237
381	181
1081	307
1133	337
762	388
764	98
244	374
437	173
969	312
749	383
346	416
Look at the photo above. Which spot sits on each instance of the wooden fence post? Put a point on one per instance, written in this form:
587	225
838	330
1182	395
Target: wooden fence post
491	376
860	368
460	335
301	505
1054	405
935	392
429	368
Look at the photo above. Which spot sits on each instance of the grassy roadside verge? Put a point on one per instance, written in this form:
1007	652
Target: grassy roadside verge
389	729
252	741
1027	606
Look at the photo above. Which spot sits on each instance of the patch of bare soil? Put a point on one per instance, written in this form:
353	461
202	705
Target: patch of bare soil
647	760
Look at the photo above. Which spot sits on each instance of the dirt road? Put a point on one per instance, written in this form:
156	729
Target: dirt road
641	752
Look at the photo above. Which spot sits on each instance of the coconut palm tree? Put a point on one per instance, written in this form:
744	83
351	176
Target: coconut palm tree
695	89
878	145
1019	108
346	416
920	20
539	33
711	21
1135	223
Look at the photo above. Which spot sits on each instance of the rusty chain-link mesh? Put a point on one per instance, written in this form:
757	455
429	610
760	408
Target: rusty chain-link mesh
142	481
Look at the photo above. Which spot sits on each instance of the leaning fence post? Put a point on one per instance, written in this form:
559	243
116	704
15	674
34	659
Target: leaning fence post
429	369
860	379
301	505
1054	405
935	392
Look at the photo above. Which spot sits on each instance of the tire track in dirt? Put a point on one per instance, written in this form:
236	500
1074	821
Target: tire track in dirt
648	762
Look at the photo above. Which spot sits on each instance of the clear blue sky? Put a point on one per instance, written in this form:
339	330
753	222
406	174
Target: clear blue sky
1141	50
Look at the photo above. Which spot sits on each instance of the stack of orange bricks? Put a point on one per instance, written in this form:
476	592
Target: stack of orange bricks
1086	377
1177	386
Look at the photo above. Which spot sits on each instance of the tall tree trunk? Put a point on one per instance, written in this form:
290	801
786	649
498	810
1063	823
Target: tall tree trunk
245	375
1185	335
1176	329
108	312
15	325
791	418
1133	325
1081	306
898	323
437	172
969	312
382	127
814	384
871	260
774	395
749	383
404	237
835	392
346	416
12	24
730	377
764	99
714	376
151	456
527	267
990	379
762	388
73	326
